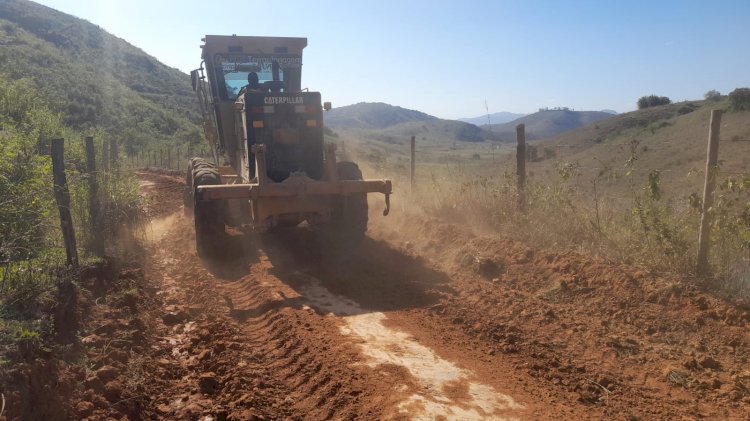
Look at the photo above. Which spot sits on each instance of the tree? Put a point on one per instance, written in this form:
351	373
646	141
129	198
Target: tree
652	101
712	95
739	99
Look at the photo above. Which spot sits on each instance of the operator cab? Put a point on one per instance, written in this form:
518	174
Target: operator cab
276	73
275	112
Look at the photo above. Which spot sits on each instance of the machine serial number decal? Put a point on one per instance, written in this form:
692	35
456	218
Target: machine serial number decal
271	100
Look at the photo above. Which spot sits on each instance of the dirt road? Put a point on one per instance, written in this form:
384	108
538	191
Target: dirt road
425	321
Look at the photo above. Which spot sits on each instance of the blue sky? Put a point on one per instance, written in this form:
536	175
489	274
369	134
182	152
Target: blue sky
446	57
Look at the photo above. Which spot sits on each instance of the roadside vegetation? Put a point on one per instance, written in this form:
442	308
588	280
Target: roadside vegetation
33	274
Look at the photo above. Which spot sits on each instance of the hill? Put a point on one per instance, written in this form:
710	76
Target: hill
452	130
93	78
494	118
395	125
547	124
669	138
373	115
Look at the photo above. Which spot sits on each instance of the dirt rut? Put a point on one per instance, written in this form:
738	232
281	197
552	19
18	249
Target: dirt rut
249	338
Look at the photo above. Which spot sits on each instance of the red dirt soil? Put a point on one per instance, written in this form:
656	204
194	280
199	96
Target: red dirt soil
279	329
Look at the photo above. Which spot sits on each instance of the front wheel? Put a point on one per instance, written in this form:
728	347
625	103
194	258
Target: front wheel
349	212
209	216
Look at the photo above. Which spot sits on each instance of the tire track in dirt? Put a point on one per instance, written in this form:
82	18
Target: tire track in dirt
446	390
564	335
247	347
390	290
269	317
297	336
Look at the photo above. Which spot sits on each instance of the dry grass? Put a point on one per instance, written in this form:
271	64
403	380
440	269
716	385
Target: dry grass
598	192
636	223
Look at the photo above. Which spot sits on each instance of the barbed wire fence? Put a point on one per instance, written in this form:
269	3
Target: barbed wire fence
600	183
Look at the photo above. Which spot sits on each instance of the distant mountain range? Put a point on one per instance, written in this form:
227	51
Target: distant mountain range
392	120
495	118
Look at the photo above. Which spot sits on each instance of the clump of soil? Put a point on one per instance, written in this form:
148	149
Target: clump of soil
69	376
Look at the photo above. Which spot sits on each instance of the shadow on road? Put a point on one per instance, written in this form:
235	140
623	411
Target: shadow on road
233	262
373	274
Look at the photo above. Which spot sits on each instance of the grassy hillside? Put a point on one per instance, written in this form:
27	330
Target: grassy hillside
547	124
671	139
373	115
382	133
95	79
389	122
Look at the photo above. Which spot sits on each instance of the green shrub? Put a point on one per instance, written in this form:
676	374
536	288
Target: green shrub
25	192
25	289
712	95
739	99
652	101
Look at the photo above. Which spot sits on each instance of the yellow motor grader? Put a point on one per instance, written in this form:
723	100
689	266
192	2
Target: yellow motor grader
270	166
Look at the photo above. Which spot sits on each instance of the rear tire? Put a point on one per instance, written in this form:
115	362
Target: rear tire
349	214
209	216
188	191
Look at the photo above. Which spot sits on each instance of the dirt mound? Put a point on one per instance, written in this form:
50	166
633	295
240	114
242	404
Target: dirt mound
114	334
82	376
616	337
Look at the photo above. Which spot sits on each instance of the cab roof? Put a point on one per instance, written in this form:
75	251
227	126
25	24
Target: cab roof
233	44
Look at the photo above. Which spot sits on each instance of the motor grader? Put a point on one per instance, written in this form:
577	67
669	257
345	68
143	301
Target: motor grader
270	166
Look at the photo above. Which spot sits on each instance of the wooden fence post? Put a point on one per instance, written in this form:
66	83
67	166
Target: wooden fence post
413	160
105	155
161	157
712	157
521	165
113	154
62	197
169	158
97	243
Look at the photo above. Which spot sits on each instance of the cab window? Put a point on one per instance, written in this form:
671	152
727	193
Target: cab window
232	71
